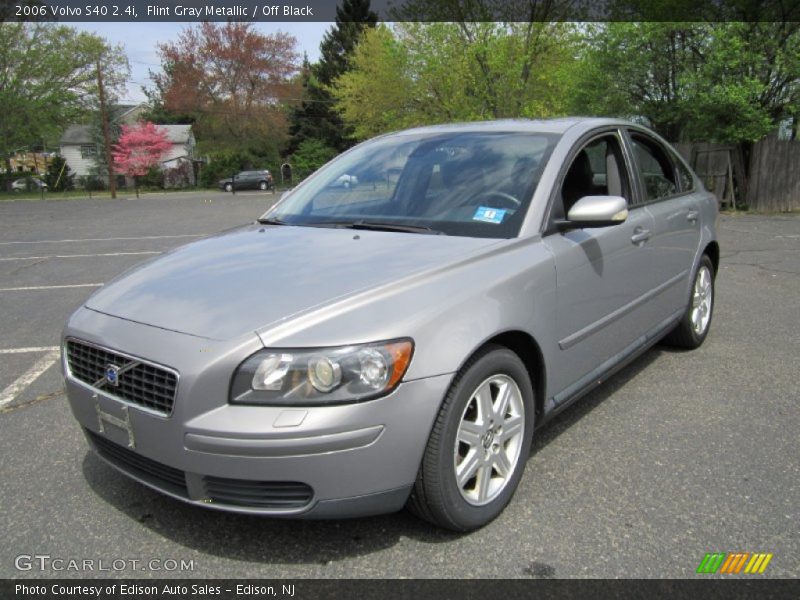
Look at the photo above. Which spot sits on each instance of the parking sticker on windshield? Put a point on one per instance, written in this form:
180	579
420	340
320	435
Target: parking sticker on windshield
489	215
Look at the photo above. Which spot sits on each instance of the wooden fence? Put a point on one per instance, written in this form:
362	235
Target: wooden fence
774	184
775	175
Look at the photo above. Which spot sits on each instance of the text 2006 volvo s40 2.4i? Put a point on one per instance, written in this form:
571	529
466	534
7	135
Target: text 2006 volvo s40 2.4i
395	342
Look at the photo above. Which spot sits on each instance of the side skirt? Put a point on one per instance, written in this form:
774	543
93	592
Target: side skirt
591	380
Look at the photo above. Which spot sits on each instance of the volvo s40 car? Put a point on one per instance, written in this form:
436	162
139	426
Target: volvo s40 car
359	349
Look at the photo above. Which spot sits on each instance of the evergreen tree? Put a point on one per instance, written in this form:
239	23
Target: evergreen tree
315	117
337	45
58	176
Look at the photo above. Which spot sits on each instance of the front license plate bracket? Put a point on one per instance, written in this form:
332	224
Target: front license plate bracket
123	422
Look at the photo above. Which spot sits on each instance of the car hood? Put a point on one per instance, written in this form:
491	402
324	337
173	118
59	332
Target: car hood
249	278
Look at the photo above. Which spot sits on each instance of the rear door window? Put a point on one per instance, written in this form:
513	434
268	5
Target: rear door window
656	169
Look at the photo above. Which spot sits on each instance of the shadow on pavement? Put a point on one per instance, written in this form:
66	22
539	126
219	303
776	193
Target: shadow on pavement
292	541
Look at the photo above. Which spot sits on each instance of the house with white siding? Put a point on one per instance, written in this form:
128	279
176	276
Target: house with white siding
79	147
183	144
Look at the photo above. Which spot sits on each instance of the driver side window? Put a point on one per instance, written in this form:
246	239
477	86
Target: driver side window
597	170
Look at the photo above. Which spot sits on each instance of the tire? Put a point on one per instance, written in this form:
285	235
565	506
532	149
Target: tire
485	451
263	186
693	327
228	187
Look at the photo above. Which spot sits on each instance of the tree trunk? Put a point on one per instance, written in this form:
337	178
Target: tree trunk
741	169
9	173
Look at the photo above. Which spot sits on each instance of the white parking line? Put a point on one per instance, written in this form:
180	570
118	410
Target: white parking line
31	349
77	255
39	367
49	287
112	239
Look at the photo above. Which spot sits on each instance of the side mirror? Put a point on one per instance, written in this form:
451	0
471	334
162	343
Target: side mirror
595	211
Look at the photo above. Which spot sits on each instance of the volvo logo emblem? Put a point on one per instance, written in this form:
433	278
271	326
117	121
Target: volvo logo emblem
112	375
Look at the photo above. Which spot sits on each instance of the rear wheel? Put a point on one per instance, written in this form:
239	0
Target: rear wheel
693	327
477	450
263	186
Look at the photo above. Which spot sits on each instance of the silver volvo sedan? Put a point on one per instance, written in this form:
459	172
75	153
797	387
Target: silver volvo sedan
395	342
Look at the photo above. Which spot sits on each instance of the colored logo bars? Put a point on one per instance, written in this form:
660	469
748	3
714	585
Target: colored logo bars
734	562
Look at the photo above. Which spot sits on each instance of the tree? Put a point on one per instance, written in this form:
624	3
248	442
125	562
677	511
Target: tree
639	70
139	148
58	176
233	82
48	78
315	116
310	156
378	94
421	73
729	82
157	112
352	17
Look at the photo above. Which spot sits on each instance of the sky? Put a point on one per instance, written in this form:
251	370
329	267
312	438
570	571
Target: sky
140	41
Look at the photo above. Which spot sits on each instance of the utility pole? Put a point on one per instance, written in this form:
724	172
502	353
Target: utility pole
112	182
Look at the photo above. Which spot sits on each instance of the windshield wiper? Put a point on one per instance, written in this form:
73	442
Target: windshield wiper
272	221
373	226
382	226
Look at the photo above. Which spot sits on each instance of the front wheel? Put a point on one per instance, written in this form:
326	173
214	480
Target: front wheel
263	186
693	327
477	450
228	187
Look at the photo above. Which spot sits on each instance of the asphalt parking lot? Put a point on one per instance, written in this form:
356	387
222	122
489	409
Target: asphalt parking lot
679	455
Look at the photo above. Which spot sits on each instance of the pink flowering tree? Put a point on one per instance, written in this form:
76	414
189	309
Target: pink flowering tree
140	147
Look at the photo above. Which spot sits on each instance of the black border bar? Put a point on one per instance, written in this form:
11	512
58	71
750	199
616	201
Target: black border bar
280	11
704	587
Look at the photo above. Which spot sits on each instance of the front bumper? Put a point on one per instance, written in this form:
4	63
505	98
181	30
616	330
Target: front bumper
328	461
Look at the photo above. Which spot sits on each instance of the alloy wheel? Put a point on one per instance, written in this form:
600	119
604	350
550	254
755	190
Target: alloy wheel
489	439
702	297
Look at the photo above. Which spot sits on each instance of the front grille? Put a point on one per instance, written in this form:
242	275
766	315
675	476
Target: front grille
258	494
140	383
161	476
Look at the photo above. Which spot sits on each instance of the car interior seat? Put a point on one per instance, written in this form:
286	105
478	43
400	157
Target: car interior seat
578	182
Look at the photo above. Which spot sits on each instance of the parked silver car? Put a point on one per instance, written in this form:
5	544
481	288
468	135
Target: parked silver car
363	348
29	183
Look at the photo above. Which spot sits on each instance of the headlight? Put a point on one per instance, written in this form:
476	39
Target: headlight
321	376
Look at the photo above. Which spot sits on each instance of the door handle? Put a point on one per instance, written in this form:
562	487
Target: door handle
640	235
692	215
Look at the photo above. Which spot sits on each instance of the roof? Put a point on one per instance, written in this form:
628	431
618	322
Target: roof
177	134
82	134
77	134
120	110
559	125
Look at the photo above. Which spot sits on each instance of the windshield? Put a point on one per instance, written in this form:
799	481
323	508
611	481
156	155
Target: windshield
466	184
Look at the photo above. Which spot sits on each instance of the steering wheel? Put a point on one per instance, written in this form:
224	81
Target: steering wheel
510	201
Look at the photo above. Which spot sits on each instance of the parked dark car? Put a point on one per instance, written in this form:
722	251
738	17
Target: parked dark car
248	180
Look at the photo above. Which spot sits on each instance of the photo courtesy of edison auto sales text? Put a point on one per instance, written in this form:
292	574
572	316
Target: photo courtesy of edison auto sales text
132	589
